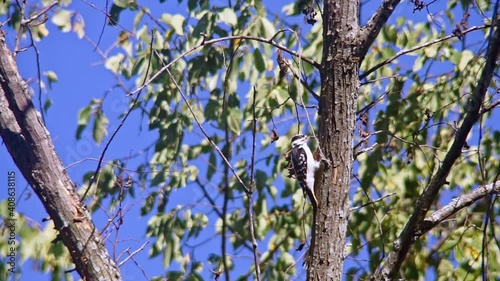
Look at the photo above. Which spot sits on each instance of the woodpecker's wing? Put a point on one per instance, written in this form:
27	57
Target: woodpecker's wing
299	163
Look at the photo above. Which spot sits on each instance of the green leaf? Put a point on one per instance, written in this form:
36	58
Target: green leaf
268	28
260	64
100	127
260	179
121	3
233	100
202	26
115	11
167	253
148	205
288	260
234	120
212	109
176	275
159	178
83	120
212	160
198	113
192	4
419	62
51	77
273	191
47	104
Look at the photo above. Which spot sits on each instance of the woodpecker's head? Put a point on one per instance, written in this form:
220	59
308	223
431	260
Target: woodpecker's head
299	139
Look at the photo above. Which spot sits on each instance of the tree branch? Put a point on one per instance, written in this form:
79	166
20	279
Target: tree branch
370	31
43	12
413	49
413	230
31	148
228	38
457	204
252	188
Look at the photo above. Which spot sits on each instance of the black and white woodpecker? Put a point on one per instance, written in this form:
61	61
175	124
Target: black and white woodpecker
304	166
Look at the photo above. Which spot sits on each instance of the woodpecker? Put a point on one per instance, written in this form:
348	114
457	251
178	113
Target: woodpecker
304	166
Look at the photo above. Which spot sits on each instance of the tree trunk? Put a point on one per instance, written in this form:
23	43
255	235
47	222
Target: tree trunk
29	144
339	89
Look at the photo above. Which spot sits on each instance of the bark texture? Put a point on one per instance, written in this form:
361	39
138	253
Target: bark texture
29	144
339	89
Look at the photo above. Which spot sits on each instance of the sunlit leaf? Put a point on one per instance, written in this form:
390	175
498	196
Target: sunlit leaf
113	63
63	20
234	120
227	15
174	21
465	59
100	127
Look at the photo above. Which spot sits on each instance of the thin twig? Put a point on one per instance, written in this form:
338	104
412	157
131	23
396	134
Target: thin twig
277	247
373	201
413	49
219	214
39	75
252	188
133	253
41	13
303	82
370	148
228	38
371	104
379	79
108	143
227	152
103	25
219	151
105	12
490	107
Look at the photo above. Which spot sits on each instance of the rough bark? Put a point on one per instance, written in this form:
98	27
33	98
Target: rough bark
339	89
370	31
29	144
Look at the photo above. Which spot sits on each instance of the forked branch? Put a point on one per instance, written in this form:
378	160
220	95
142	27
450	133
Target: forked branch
458	204
372	28
414	228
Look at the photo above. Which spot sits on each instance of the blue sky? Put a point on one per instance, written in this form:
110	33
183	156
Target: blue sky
82	77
